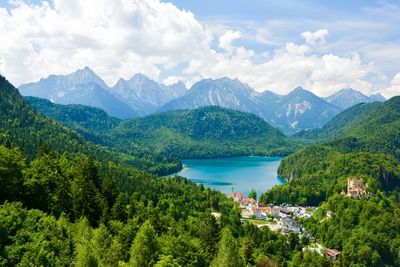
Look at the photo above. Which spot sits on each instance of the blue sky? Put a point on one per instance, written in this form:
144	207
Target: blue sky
263	43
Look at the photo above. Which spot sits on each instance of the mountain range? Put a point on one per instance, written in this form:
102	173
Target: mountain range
140	96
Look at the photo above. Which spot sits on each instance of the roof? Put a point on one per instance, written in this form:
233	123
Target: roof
332	252
239	195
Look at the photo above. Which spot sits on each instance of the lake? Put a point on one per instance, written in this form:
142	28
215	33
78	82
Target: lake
240	174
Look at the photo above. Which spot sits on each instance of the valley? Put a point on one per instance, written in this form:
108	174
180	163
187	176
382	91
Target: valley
115	159
169	133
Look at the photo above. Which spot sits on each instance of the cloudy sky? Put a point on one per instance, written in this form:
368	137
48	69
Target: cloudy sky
271	45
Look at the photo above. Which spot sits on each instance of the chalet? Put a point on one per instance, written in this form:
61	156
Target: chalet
355	187
333	253
238	197
248	201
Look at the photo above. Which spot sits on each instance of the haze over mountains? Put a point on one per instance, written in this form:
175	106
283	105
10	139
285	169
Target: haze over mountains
140	96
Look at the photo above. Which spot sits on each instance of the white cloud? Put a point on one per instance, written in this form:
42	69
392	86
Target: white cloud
288	67
225	41
172	80
313	37
116	38
394	88
122	37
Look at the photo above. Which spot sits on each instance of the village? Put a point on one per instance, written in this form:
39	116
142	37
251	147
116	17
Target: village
283	217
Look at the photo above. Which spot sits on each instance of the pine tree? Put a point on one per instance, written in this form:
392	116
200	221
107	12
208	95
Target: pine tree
228	252
11	179
144	248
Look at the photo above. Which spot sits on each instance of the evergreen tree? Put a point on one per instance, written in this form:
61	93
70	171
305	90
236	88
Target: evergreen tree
86	197
253	194
228	252
47	187
11	179
144	248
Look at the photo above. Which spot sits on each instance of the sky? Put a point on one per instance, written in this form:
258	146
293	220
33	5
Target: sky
323	46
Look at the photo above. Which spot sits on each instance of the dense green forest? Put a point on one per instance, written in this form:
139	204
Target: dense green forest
81	205
200	133
82	192
23	126
367	147
361	142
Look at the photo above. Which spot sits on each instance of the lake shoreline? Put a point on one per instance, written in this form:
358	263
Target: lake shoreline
239	174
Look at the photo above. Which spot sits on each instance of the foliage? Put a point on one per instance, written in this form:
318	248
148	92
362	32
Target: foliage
200	133
365	230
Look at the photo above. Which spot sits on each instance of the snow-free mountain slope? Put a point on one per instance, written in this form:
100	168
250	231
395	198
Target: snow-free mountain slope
349	97
146	95
80	87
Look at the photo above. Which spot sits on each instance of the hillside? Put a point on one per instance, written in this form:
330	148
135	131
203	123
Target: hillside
203	132
28	129
363	141
75	203
372	127
75	115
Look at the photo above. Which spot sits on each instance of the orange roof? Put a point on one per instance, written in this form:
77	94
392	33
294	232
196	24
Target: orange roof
332	252
239	195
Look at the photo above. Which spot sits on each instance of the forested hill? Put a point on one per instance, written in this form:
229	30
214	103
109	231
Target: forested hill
205	132
362	141
26	128
208	123
61	207
76	116
373	127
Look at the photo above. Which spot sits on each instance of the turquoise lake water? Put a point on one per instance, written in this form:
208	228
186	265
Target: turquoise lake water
240	174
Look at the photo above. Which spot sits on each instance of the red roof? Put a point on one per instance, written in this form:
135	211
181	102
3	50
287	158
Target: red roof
239	195
332	252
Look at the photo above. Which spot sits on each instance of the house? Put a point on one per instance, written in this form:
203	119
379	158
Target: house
333	253
329	214
231	195
238	197
248	202
285	211
355	187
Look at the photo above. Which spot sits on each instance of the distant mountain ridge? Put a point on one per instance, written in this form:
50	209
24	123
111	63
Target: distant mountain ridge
146	95
349	97
296	111
140	96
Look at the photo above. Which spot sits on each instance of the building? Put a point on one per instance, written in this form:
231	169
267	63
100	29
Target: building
231	195
248	201
238	197
333	253
355	187
290	225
